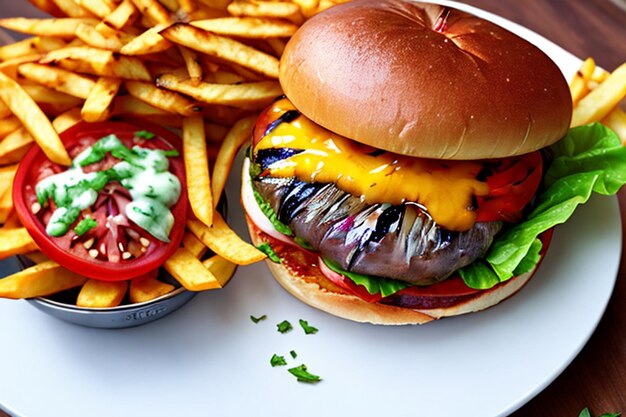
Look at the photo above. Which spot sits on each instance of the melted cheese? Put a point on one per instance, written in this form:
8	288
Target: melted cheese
445	188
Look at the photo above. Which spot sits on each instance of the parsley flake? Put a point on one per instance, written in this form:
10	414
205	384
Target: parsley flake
307	329
301	373
284	326
293	354
271	254
258	319
144	134
84	226
277	360
586	413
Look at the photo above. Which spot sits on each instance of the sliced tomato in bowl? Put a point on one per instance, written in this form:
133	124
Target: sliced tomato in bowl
119	211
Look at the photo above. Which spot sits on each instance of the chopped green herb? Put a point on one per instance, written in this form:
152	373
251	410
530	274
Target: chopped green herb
85	225
307	329
586	413
284	326
301	373
144	134
293	354
278	360
258	319
267	249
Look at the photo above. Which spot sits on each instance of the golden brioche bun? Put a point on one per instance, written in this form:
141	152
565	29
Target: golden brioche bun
426	81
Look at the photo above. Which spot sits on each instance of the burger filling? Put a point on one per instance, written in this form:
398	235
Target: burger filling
377	213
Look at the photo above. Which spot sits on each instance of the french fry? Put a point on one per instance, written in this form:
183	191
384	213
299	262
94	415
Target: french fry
153	10
171	5
99	104
149	42
253	95
58	79
9	125
98	62
124	14
30	46
66	120
308	8
6	204
240	133
222	240
190	272
37	257
194	245
47	6
223	48
10	67
161	99
616	120
216	4
255	8
7	173
188	6
72	9
129	106
49	99
60	28
579	86
100	8
192	62
277	45
247	27
34	120
221	269
596	105
16	242
15	145
38	281
11	221
95	38
101	294
147	288
197	169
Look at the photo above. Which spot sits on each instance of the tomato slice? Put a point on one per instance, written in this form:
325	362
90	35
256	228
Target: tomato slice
113	247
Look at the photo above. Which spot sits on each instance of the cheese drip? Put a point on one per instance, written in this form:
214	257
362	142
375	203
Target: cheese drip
446	188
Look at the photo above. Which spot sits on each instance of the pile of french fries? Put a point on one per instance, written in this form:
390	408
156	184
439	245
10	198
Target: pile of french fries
205	67
598	95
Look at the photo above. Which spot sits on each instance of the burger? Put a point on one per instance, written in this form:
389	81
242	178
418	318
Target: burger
409	171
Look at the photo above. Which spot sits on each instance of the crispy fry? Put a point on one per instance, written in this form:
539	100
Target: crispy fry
10	67
98	62
58	79
153	10
216	4
16	143
193	245
60	28
248	27
6	177
33	119
101	294
37	257
66	120
72	9
47	6
131	107
49	99
192	62
161	99
30	46
255	8
40	280
197	169
100	8
148	42
95	38
190	272
9	125
596	105
125	14
147	288
222	240
188	6
616	120
221	47
6	204
16	242
99	104
222	269
579	86
240	133
254	95
277	45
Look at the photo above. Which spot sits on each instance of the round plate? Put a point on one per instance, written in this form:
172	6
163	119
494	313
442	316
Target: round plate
211	359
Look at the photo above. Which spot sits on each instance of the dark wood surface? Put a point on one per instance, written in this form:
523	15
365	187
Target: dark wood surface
597	377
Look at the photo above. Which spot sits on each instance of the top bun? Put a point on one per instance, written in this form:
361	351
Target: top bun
425	80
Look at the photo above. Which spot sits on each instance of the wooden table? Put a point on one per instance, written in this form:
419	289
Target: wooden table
597	377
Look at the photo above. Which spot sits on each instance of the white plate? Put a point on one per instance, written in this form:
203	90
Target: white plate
210	359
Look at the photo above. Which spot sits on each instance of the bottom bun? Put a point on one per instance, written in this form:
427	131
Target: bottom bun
299	274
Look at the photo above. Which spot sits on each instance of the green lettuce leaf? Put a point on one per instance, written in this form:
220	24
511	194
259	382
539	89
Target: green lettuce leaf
373	285
588	159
